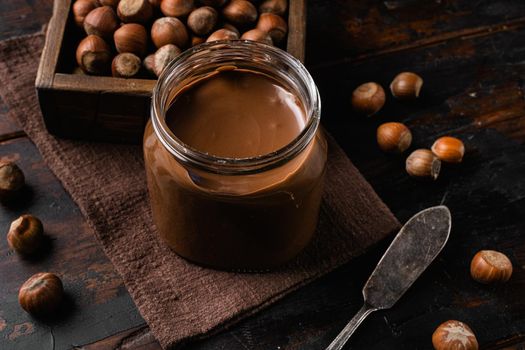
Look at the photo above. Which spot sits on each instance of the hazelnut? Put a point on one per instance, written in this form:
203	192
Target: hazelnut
169	30
131	37
232	28
81	8
240	12
274	25
257	35
93	55
25	234
41	294
164	56
406	86
202	20
222	34
102	21
196	40
490	266
134	11
148	64
176	8
277	7
214	3
394	137
125	65
454	335
112	3
423	163
449	149
368	98
12	179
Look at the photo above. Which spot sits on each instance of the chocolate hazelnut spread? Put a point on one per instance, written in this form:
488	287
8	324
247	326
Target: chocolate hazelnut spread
247	221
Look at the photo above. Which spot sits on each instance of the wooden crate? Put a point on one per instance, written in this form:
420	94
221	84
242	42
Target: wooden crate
105	108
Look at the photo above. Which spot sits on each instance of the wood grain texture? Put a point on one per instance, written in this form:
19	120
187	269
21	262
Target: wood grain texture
96	304
471	55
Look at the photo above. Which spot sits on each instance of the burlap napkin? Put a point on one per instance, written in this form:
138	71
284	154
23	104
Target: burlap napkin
181	301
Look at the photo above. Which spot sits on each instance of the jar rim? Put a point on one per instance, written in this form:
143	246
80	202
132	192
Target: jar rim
230	165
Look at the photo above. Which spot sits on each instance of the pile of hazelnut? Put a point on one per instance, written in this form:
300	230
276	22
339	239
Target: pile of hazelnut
487	266
394	137
42	293
130	38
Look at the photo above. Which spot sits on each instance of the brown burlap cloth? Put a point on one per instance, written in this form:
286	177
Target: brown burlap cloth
181	301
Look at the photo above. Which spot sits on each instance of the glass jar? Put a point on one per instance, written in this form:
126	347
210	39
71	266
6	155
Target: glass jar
235	213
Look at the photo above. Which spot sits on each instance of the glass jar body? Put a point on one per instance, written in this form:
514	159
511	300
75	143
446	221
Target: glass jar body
235	213
235	222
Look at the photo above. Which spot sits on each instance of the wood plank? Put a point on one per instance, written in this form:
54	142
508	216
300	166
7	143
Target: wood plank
297	29
19	17
97	304
340	29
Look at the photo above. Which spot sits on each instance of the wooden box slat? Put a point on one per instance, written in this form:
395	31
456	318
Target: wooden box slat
105	108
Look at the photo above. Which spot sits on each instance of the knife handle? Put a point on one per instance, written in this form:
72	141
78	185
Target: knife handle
350	328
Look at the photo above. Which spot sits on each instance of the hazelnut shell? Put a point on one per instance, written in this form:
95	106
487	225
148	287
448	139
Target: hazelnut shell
41	294
131	37
274	25
202	20
406	86
12	179
102	21
25	234
454	335
424	164
169	30
176	8
490	266
449	149
368	98
240	12
393	137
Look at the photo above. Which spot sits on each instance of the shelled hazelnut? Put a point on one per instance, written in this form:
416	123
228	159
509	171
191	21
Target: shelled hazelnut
25	234
41	294
423	163
277	7
81	8
454	335
201	21
12	179
169	30
163	56
125	65
222	34
394	137
406	86
131	37
240	12
257	35
176	8
274	25
368	98
134	11
102	21
490	266
449	149
93	55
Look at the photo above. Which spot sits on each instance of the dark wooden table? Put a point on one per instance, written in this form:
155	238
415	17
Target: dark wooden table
472	57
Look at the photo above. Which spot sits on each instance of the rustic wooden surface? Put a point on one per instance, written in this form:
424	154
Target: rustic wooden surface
472	57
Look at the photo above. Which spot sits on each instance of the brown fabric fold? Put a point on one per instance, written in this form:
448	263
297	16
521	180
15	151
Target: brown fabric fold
181	301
